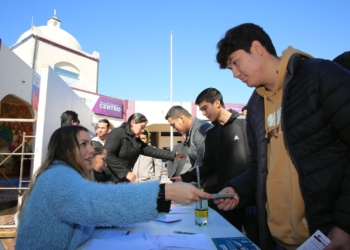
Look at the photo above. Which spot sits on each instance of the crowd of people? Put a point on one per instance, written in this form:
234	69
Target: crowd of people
286	156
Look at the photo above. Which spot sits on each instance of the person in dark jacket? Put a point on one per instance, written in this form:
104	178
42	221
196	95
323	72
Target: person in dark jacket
99	162
343	60
124	146
298	131
225	154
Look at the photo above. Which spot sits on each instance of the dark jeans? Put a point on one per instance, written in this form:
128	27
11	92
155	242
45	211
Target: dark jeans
245	217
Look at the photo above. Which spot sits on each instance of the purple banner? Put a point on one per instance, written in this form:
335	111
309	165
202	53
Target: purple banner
109	107
236	107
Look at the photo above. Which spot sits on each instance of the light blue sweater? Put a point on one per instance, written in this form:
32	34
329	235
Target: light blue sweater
63	208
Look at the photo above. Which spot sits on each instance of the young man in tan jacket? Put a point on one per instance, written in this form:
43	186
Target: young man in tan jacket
298	131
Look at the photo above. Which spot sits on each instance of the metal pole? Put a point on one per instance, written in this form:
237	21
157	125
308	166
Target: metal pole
171	87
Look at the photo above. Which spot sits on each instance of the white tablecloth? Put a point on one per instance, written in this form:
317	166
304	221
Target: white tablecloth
217	226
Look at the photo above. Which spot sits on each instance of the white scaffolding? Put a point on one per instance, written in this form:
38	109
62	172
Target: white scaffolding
24	153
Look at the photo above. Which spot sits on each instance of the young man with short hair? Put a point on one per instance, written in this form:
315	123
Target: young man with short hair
244	111
69	118
102	130
298	131
225	155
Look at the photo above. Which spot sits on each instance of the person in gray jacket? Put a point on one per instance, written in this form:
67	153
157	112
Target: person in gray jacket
147	168
194	129
181	166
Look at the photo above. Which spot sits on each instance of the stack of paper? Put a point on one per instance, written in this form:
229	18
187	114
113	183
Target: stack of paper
143	241
135	241
182	241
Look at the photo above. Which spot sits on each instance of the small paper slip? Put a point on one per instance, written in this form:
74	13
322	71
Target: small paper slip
178	211
317	241
218	196
182	241
135	241
168	218
233	243
111	234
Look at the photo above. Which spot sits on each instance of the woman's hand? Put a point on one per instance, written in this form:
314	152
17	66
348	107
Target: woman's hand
227	203
184	193
131	177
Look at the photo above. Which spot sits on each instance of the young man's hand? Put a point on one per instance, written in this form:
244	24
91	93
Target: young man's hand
176	179
339	239
227	203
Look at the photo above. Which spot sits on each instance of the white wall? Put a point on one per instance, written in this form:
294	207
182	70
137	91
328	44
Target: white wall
156	111
55	98
25	51
15	75
51	55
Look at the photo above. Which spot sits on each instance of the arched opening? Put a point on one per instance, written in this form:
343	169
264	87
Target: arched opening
69	73
13	133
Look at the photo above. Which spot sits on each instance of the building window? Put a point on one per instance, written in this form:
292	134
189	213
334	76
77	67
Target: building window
66	73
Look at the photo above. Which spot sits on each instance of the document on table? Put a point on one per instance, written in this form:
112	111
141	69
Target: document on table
179	211
135	241
317	241
142	241
111	234
182	241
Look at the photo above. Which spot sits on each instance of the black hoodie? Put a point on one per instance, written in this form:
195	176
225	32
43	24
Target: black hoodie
226	152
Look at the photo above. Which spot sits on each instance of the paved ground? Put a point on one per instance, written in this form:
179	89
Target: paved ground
8	207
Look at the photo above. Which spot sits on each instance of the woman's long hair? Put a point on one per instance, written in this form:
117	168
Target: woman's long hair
137	117
64	147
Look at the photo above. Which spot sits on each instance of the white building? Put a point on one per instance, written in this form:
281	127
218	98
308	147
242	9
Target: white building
34	104
54	47
50	45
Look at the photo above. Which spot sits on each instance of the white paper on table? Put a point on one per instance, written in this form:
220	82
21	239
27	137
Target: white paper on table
135	241
168	218
182	241
178	211
111	234
317	241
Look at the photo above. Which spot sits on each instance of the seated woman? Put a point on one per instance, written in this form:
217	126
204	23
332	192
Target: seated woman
99	162
62	205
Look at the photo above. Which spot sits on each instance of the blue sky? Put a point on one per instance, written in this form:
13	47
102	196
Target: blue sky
133	38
